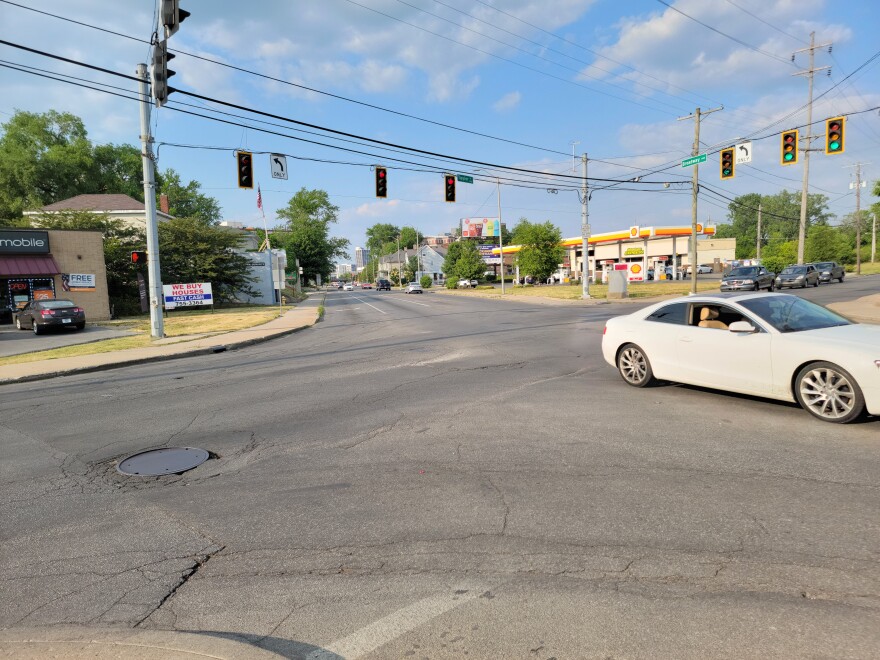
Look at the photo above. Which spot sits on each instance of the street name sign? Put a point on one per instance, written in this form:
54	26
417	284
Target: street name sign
464	178
694	160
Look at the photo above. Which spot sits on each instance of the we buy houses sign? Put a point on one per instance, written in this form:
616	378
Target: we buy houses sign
187	295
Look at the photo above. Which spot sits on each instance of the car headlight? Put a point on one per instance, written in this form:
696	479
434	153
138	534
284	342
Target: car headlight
800	277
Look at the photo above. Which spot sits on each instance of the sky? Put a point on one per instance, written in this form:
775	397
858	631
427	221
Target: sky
515	83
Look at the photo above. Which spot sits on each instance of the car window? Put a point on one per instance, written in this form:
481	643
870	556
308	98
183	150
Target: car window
793	314
675	313
794	270
56	304
720	316
741	272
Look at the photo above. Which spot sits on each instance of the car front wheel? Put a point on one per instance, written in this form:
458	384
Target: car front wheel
634	367
829	392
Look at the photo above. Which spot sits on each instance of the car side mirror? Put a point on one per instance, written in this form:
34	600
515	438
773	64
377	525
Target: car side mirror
742	326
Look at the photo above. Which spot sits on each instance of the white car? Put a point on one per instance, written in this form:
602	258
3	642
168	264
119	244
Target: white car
464	284
348	287
413	287
777	346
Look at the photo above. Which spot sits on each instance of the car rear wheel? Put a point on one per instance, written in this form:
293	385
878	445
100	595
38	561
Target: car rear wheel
770	288
36	328
80	326
634	367
829	392
18	323
840	279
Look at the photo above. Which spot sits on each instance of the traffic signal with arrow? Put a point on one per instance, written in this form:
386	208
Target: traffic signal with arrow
727	166
789	148
450	187
834	135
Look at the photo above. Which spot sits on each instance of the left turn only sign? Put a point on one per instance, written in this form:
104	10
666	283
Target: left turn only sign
278	163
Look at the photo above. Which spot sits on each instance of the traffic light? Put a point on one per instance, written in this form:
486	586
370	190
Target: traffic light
450	187
727	167
245	169
171	16
161	73
138	257
834	135
789	154
381	182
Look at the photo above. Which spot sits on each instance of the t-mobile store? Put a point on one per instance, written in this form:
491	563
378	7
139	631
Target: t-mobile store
40	264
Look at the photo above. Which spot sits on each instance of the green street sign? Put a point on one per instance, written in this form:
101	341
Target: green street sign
694	160
464	178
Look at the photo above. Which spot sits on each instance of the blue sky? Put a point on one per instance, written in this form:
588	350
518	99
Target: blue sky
612	77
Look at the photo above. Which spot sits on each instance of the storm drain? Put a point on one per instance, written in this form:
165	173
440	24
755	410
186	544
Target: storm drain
167	460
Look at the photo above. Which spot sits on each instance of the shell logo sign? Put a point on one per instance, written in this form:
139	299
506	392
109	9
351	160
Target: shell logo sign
699	229
636	272
633	232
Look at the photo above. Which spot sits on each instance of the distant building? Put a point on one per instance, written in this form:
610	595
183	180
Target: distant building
361	257
343	269
445	239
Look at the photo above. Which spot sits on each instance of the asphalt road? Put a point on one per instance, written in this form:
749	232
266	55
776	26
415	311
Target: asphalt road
16	342
442	476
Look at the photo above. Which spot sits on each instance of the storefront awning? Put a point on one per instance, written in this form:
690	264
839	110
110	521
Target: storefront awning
19	266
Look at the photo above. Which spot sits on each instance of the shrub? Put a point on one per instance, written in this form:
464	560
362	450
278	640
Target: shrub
426	281
451	283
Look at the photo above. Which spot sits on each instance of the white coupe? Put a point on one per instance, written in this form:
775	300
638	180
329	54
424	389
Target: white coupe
777	346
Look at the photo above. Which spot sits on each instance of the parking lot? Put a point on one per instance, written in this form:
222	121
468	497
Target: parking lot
16	342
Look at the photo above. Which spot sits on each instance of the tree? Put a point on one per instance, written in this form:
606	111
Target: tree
540	253
195	252
380	236
120	169
463	261
308	215
780	219
409	238
777	256
186	201
827	243
44	158
411	268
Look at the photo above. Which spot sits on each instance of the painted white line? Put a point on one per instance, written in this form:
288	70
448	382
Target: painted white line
366	303
413	301
377	634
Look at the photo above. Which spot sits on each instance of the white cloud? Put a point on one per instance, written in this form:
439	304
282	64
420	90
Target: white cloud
507	102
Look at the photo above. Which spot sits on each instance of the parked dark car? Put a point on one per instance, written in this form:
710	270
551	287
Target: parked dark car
800	275
38	315
830	270
748	278
383	285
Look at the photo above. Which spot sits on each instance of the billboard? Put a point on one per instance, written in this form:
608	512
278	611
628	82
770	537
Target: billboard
187	295
480	227
487	256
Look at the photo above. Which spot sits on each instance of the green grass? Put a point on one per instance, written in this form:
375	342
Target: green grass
183	324
600	291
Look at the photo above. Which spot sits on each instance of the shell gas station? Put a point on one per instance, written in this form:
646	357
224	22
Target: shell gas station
641	249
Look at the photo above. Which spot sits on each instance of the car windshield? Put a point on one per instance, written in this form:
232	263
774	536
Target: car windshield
56	304
742	272
826	264
793	314
795	270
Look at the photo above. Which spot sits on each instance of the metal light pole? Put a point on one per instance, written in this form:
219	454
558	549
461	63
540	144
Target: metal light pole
500	234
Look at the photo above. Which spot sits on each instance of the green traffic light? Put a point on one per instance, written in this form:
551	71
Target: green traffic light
789	156
834	146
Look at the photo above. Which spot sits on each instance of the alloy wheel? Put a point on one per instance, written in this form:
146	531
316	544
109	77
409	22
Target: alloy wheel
633	365
828	393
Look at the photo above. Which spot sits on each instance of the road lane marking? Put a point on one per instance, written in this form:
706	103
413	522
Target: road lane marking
366	303
387	629
413	301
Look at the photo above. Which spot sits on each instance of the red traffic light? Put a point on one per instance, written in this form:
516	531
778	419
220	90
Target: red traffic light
450	187
138	257
381	182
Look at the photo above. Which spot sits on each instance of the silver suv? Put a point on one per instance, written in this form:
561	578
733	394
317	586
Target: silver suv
830	270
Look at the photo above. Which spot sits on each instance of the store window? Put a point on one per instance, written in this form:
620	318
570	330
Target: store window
20	291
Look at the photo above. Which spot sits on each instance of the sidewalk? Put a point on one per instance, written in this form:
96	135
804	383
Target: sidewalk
163	349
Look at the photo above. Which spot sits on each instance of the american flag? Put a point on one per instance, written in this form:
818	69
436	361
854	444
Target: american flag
259	198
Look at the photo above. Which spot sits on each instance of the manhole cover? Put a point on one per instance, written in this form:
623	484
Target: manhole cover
168	460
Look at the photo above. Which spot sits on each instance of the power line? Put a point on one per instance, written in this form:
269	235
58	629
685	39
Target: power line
292	84
504	59
758	18
724	34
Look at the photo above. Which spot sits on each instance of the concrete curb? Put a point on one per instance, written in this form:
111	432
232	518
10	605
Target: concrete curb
219	347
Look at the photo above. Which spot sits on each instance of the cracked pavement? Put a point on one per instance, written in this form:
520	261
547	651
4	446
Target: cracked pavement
465	476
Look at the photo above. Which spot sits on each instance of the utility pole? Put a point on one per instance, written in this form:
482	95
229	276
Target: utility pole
696	189
874	239
802	227
157	323
500	233
859	184
585	233
759	233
